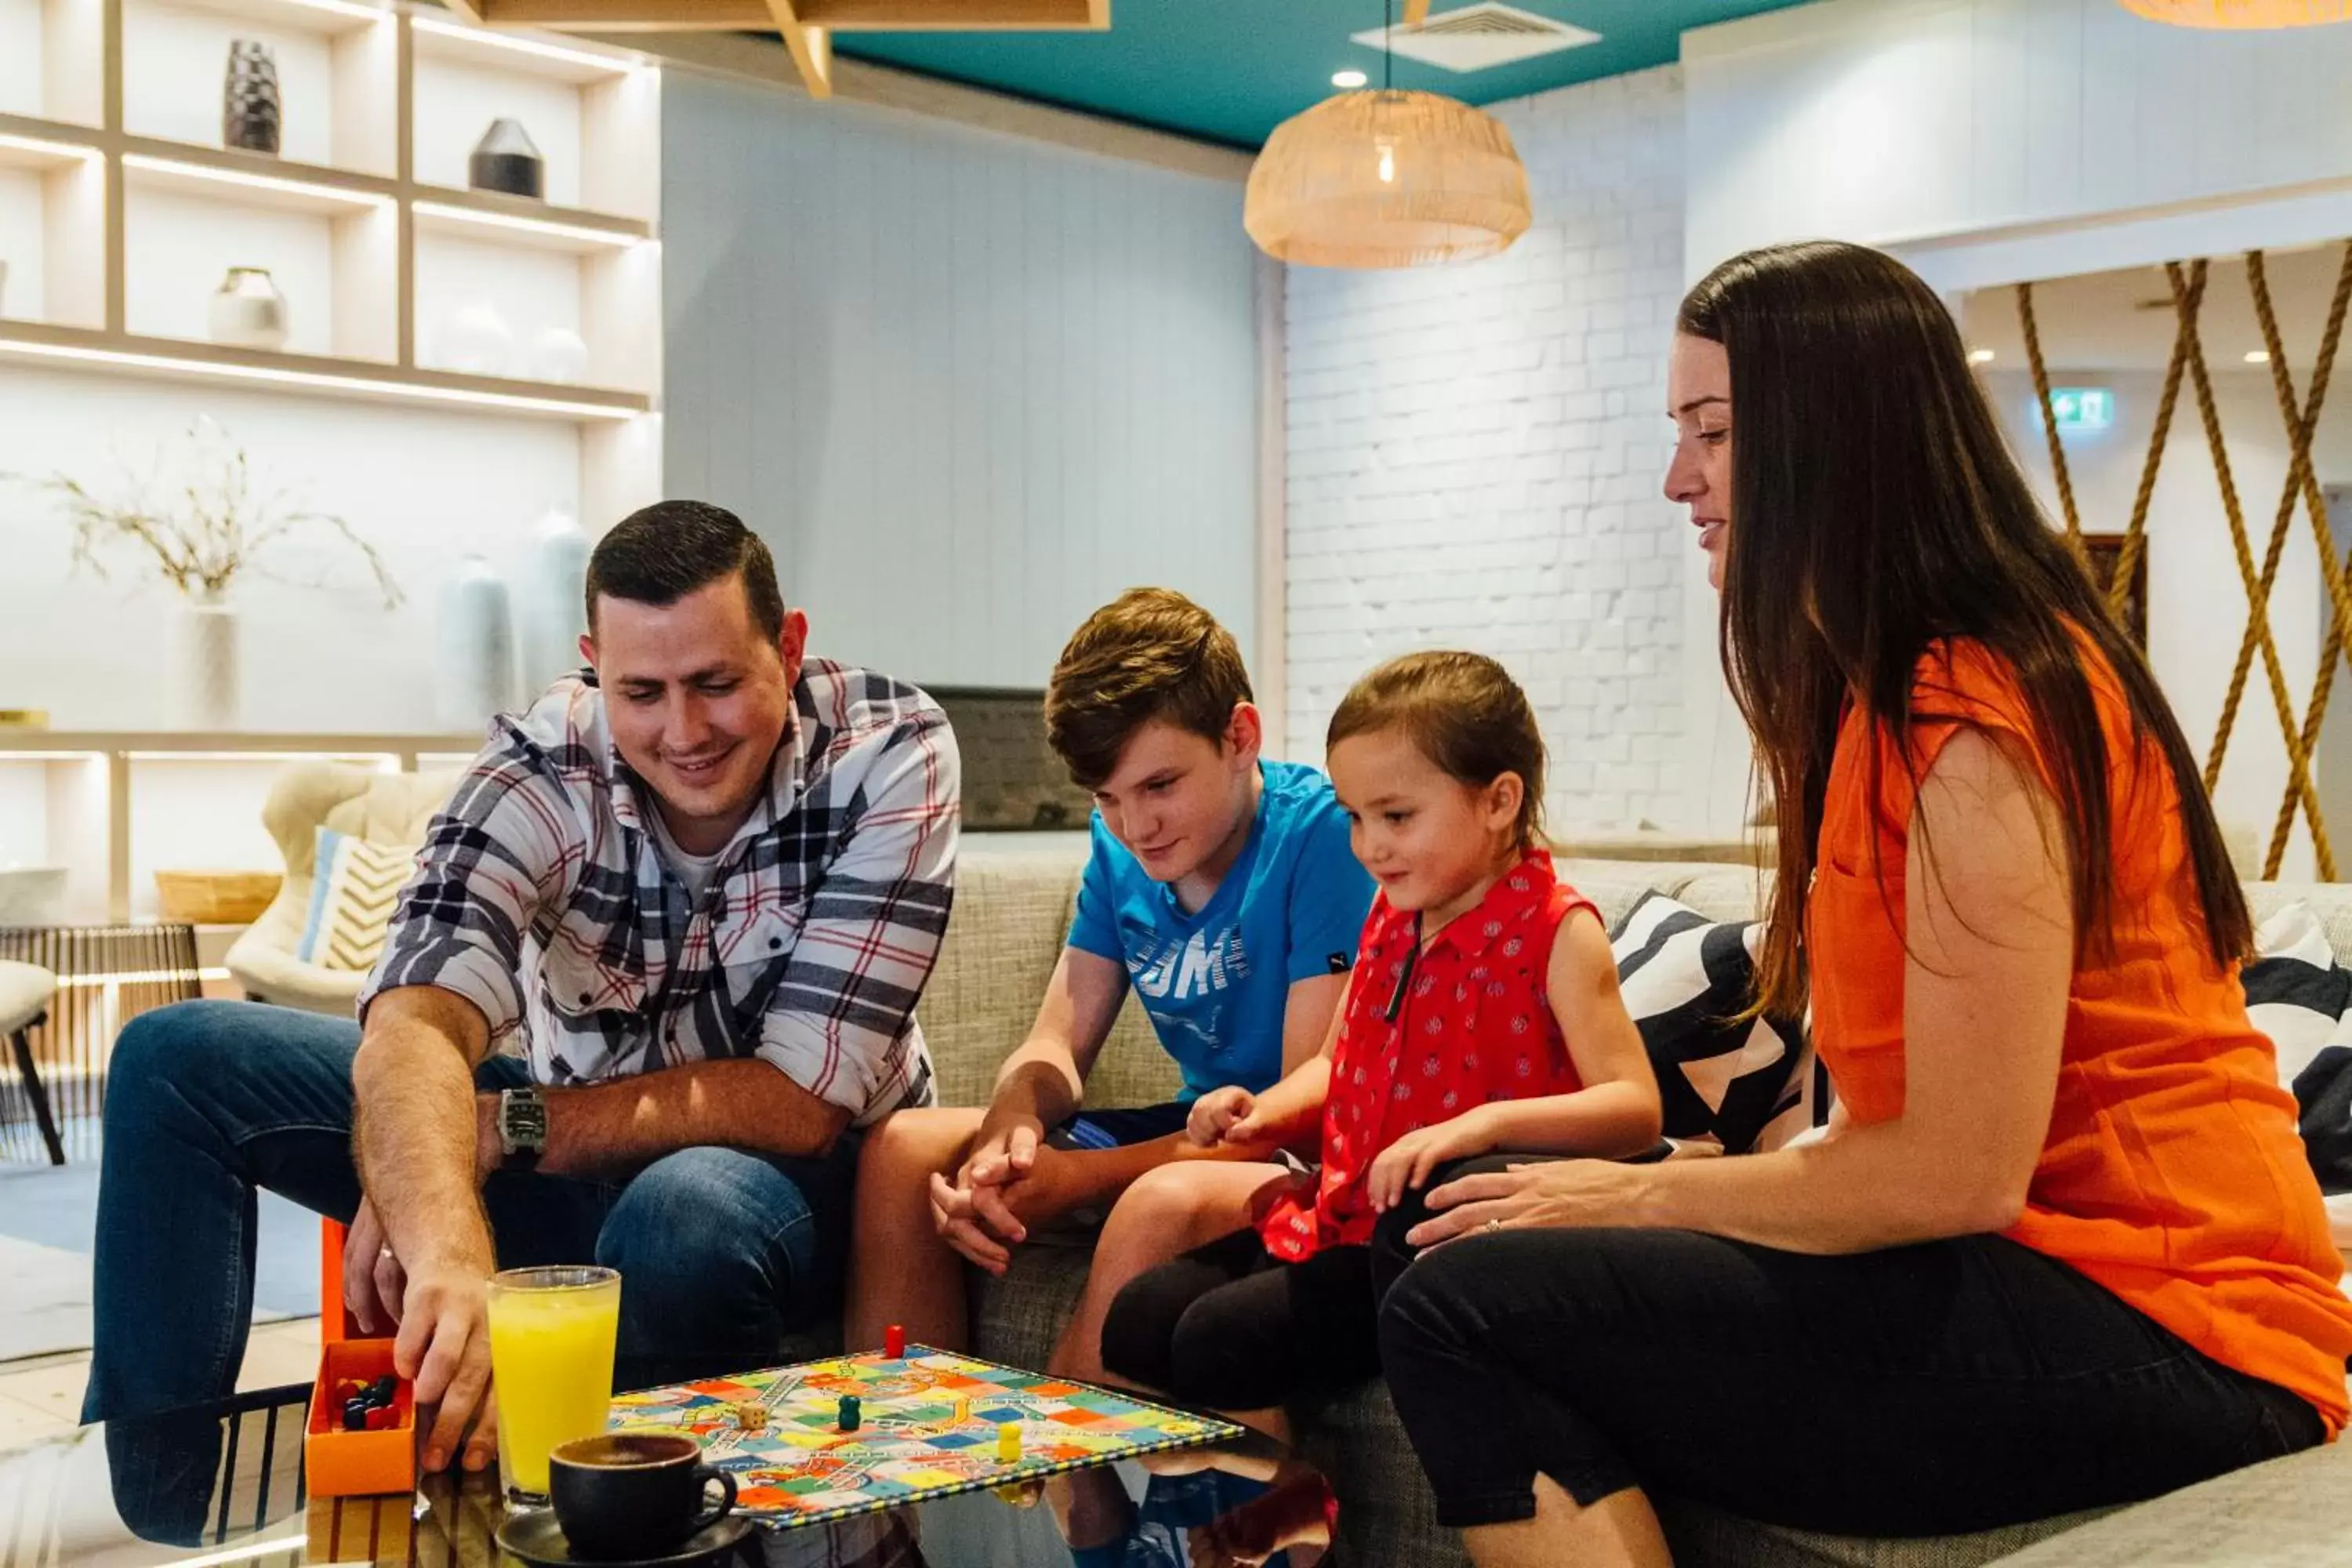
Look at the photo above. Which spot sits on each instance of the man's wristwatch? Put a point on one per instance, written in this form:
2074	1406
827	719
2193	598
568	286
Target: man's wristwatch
522	1127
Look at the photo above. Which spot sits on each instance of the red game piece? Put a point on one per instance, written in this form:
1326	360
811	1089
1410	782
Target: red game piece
894	1342
382	1418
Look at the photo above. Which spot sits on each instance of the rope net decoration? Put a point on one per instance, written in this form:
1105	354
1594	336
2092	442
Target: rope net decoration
2301	489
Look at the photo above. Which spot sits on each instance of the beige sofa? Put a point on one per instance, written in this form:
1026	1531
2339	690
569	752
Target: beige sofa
1013	899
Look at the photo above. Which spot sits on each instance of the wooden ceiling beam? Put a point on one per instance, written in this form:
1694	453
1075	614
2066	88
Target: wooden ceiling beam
950	15
629	15
810	46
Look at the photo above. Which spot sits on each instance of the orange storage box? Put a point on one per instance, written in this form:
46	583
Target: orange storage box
347	1464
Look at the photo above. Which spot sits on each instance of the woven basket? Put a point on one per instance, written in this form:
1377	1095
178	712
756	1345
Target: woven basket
215	897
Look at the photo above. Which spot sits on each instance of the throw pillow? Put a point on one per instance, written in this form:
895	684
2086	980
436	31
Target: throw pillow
2298	994
353	889
1740	1086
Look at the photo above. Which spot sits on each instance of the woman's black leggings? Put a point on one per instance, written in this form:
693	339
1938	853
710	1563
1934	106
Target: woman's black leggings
1928	1390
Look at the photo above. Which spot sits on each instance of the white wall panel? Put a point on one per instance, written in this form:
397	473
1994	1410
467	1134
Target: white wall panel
969	387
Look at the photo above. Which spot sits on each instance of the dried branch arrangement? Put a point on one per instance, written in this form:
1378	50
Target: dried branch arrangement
201	530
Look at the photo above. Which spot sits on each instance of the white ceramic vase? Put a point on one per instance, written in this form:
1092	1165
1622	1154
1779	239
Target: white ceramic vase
247	311
559	354
551	604
476	673
476	340
204	665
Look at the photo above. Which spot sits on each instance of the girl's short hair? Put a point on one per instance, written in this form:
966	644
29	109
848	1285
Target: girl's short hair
1465	713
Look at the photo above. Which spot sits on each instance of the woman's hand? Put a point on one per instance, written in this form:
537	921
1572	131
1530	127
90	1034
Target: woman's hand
1578	1193
1405	1165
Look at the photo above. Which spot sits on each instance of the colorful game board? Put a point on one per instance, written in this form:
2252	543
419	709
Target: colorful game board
930	1425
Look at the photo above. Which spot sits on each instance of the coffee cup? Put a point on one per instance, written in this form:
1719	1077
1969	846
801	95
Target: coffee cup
633	1495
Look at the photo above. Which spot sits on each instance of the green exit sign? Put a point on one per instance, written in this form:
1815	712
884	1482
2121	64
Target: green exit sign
2079	410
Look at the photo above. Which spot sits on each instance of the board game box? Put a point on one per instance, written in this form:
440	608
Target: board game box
928	1424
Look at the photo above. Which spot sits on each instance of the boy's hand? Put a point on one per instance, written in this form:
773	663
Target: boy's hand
1405	1164
1001	1155
1218	1114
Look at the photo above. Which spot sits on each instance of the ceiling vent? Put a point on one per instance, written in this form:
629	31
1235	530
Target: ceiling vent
1477	37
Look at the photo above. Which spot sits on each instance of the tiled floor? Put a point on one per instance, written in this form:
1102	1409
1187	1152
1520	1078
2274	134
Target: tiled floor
41	1398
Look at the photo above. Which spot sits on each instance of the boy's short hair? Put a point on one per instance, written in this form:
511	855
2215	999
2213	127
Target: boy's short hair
1152	653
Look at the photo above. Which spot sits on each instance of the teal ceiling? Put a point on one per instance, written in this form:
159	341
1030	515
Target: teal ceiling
1230	71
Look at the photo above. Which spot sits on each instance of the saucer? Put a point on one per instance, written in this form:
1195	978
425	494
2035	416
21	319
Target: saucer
538	1540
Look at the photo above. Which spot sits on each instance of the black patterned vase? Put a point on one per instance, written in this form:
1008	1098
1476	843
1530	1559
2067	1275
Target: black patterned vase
249	108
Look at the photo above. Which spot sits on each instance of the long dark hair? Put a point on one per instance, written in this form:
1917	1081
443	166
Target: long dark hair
1875	509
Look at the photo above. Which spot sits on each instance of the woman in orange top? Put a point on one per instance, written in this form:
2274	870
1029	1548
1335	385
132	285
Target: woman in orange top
2060	1247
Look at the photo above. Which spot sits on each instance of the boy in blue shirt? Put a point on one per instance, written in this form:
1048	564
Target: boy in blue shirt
1222	888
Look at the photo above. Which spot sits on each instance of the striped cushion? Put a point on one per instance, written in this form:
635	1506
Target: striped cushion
351	895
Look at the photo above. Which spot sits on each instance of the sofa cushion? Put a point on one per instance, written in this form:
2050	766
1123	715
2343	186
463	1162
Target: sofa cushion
1014	892
1727	1081
354	885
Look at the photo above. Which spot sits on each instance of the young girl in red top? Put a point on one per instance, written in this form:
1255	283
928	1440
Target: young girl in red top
1483	1015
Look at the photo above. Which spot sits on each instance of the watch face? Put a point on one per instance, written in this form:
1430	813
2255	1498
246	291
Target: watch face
522	1120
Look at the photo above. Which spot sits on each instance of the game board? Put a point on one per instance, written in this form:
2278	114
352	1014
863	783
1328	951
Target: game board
929	1428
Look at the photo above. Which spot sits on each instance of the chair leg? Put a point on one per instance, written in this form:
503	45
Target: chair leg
38	1096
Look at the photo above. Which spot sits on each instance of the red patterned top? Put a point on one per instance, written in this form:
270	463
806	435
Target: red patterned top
1428	1037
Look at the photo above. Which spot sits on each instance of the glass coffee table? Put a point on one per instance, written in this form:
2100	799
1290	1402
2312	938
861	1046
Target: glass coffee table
223	1484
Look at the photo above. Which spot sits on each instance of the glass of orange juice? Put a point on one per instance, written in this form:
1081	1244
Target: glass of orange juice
551	1337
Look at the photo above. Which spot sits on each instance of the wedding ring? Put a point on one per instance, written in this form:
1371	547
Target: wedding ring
1491	1225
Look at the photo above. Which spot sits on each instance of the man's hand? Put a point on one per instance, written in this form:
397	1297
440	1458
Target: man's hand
374	1284
1218	1113
444	1345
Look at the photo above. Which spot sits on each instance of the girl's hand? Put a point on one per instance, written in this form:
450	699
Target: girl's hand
1405	1164
1216	1113
1578	1193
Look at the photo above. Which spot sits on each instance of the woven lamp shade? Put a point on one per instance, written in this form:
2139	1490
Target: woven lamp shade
1385	178
2242	13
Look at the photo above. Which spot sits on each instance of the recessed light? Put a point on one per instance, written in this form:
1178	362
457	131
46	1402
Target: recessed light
1980	356
1348	80
2258	356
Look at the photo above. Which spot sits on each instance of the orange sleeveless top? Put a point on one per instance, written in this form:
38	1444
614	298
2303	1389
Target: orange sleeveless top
2173	1174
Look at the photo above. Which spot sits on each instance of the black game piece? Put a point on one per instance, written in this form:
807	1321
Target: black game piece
355	1415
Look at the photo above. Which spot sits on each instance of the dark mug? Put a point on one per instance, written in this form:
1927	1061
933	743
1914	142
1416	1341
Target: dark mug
626	1495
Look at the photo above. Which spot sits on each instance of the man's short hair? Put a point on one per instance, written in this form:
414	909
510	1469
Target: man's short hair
1152	653
658	555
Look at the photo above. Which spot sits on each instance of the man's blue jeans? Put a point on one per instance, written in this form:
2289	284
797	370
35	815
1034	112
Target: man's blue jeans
720	1252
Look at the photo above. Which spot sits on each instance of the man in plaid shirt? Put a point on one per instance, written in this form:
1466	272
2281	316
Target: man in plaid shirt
654	971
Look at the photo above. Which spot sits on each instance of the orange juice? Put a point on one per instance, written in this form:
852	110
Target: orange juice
551	1337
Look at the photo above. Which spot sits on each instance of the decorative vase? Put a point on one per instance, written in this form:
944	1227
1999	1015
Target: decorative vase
204	664
247	311
249	106
553	609
507	160
477	341
476	663
559	354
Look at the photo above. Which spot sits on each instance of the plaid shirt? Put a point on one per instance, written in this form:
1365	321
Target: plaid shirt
540	897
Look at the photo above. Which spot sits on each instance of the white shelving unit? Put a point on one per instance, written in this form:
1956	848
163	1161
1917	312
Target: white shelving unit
120	210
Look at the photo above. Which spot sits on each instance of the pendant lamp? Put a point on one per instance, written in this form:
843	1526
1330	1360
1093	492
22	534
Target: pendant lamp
2247	14
1385	177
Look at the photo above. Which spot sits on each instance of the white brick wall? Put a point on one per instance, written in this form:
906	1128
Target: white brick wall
1475	455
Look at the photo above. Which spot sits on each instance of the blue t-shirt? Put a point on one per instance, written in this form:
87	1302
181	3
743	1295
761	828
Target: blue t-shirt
1215	983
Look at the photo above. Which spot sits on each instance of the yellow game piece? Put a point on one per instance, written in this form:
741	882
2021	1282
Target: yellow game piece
1008	1443
963	1410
